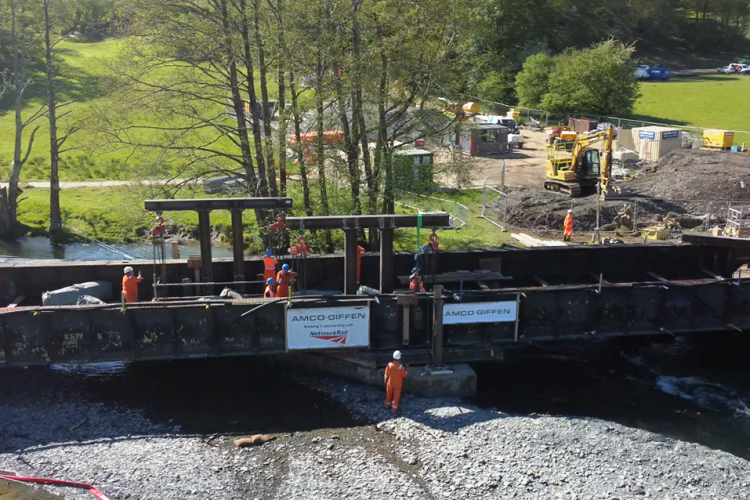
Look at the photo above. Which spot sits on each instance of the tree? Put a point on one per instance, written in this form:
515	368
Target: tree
56	143
22	40
598	80
532	83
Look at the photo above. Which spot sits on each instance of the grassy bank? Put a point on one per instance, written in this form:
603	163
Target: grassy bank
116	215
708	101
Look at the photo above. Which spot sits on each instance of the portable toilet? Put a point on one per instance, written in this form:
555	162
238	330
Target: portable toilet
413	169
717	139
485	139
652	143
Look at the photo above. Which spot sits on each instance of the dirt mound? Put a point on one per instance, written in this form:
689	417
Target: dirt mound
690	174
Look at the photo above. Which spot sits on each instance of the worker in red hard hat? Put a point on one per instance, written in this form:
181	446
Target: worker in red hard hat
130	285
395	373
283	280
270	292
360	254
568	226
269	265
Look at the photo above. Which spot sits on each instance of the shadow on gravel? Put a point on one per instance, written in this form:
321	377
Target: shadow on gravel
230	396
692	388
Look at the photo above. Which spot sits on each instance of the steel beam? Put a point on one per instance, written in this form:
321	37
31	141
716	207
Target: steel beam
238	244
204	229
386	261
218	204
350	261
437	220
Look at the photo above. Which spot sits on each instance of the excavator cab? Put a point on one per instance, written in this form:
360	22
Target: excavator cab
591	165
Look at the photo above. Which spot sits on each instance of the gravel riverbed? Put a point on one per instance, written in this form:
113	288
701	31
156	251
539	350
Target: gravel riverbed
334	441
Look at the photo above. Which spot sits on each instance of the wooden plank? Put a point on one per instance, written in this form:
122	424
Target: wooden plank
16	302
539	280
713	275
455	277
654	275
483	286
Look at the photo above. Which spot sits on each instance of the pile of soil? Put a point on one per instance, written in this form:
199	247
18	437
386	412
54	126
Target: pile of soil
693	174
682	183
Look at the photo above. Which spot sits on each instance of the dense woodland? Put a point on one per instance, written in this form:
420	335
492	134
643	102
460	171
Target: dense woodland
193	84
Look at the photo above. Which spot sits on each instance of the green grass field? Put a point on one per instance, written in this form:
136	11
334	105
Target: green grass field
707	101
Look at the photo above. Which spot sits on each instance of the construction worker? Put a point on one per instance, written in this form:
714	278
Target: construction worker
269	265
270	292
415	281
395	373
130	285
283	280
360	254
568	226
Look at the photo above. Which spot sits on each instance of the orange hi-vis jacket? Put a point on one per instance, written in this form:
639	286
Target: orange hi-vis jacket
130	288
417	284
282	280
270	293
269	270
395	373
568	224
360	254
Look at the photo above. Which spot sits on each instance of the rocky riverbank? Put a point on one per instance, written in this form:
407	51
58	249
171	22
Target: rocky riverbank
334	440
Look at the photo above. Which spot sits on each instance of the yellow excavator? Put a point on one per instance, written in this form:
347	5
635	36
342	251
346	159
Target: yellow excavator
575	170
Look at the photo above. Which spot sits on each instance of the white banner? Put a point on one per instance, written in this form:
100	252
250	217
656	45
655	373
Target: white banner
479	312
327	328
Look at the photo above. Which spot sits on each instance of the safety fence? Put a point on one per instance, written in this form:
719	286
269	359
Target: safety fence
659	218
425	203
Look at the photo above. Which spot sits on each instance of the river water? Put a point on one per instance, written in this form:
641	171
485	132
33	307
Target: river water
37	247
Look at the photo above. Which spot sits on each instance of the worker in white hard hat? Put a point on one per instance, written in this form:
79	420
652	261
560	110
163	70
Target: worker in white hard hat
395	373
130	285
568	226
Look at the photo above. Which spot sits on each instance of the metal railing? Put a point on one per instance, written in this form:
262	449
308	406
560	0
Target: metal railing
424	203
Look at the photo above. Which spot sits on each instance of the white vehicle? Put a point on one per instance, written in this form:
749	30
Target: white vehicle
515	141
642	71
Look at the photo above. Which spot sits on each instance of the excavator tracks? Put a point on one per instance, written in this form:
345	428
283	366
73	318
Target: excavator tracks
571	189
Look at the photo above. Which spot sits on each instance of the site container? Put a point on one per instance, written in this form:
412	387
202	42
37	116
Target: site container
413	169
652	143
582	125
484	139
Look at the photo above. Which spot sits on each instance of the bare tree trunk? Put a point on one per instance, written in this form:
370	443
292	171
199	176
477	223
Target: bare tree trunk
250	72
264	101
239	106
300	152
320	149
55	214
282	98
382	153
19	157
352	151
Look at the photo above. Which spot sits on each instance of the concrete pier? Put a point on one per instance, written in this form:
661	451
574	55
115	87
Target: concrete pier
450	380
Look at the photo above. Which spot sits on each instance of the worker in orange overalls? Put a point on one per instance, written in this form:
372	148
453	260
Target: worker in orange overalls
269	265
568	226
395	373
415	281
130	285
283	280
270	292
360	254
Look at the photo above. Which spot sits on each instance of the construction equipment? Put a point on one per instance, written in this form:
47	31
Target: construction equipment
717	140
577	170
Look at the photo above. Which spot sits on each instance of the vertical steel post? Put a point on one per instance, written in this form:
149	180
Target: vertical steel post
204	227
437	335
350	261
386	260
238	243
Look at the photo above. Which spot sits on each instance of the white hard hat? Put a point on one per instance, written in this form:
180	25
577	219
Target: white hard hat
127	270
570	211
396	354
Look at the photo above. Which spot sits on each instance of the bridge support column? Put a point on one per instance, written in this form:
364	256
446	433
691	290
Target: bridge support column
350	261
386	261
204	228
238	243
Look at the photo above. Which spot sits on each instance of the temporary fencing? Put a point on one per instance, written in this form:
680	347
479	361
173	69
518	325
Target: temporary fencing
425	203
